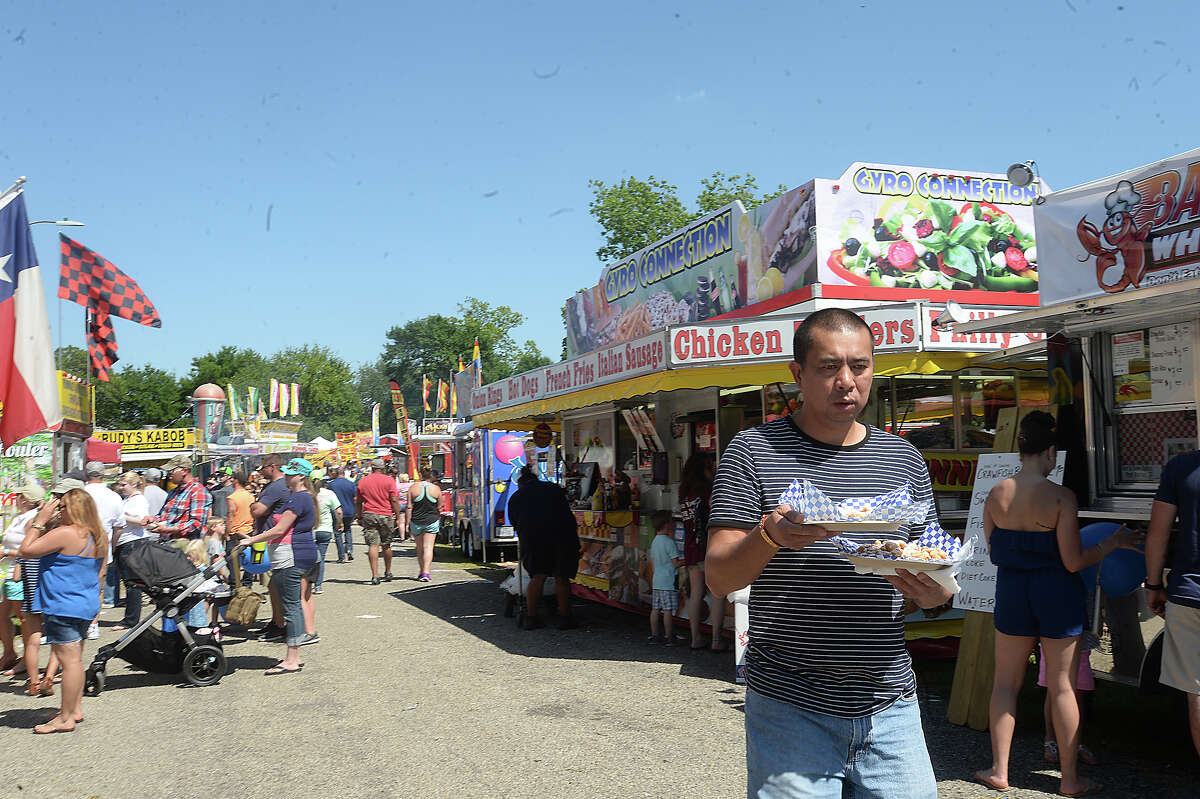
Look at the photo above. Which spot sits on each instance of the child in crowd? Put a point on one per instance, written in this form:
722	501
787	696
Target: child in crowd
197	553
215	543
667	560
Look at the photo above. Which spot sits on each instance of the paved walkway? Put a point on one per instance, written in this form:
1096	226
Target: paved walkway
428	691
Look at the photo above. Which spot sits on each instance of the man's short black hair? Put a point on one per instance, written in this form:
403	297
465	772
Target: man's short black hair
831	320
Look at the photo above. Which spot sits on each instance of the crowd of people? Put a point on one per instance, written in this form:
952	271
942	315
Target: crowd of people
63	557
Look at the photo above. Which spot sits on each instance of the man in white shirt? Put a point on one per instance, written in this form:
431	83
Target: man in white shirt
108	506
154	493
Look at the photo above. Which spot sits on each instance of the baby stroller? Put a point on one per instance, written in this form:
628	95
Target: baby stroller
174	585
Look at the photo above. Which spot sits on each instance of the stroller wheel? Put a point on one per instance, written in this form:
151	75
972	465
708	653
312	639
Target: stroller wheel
93	682
204	665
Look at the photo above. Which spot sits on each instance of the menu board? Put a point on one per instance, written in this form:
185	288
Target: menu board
1131	367
1171	364
977	577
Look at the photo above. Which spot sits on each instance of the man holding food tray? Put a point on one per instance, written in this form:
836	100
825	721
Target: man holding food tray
831	705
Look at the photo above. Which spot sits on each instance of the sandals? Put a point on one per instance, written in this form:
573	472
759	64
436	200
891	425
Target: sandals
1050	754
278	669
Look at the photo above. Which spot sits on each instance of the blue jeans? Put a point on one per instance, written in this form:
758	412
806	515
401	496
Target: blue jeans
342	538
112	583
793	753
322	538
287	586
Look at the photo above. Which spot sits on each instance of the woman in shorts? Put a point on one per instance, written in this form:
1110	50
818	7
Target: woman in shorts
695	492
1032	531
68	590
12	592
424	520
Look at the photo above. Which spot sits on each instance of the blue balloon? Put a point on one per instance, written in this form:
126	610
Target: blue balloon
1121	572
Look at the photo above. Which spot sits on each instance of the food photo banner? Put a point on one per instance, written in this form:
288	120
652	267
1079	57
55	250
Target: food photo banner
903	229
725	261
1137	229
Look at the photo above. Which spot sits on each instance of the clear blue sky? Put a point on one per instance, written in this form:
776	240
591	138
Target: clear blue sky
370	135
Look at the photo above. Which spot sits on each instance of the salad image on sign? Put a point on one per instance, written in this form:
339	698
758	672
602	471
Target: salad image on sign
907	228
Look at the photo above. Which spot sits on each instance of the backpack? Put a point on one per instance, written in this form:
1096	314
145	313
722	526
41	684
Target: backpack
243	607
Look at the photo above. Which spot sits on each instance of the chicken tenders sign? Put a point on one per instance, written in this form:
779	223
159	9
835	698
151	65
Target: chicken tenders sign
1138	229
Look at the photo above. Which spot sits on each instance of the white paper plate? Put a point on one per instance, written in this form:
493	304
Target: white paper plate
848	525
903	563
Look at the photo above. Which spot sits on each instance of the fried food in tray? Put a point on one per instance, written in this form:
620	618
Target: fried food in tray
902	550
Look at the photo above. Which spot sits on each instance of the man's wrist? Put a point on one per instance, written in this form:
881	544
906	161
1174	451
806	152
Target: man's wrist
1149	586
760	529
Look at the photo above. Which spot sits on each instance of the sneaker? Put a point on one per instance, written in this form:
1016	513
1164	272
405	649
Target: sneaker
93	631
654	639
668	642
424	578
318	590
349	557
374	581
340	560
388	576
108	604
271	634
310	638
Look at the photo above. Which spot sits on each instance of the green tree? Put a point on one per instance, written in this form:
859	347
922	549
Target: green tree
73	360
229	365
329	400
634	213
432	345
721	189
141	396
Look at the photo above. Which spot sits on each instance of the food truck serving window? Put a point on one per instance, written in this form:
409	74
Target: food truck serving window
1151	399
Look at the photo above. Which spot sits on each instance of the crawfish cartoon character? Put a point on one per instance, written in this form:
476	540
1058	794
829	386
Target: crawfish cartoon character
1126	239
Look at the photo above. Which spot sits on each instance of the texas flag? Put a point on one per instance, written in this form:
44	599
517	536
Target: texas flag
28	385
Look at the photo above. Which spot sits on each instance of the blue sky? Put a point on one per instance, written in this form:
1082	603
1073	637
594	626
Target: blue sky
408	155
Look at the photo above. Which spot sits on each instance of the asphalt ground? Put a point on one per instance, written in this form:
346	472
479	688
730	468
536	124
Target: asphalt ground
427	690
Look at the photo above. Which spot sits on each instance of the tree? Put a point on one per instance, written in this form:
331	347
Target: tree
137	397
228	365
634	213
433	344
73	360
329	401
721	189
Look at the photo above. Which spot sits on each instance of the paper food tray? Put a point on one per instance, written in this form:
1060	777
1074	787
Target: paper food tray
899	563
864	525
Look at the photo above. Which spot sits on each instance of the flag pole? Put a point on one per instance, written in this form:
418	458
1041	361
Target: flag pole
87	354
18	183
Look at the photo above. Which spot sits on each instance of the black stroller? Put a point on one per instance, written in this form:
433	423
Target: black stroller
173	583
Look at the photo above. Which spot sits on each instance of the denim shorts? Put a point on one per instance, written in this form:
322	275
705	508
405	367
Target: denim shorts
63	629
795	753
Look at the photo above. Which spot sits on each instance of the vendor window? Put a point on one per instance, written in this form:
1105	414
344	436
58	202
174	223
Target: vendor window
924	411
981	400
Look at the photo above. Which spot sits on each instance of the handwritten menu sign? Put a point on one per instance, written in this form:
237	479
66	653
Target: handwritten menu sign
1171	363
977	577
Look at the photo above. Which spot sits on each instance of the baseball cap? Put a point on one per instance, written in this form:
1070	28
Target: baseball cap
66	484
177	462
377	463
298	466
32	493
94	469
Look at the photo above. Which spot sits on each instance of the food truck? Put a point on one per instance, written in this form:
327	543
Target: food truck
682	344
1120	294
487	464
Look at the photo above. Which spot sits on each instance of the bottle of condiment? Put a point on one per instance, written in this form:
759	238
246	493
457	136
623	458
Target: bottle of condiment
715	302
703	298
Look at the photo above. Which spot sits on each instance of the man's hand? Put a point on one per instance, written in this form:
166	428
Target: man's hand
919	587
1157	600
786	527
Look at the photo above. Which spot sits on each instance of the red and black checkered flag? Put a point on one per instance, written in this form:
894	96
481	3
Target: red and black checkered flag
94	283
102	347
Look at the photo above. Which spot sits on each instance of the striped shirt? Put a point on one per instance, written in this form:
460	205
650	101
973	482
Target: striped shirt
822	638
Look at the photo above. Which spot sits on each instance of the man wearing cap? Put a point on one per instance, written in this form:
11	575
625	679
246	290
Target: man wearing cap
185	511
108	506
376	507
221	494
155	496
345	492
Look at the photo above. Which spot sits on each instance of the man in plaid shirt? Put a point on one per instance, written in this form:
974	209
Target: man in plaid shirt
185	511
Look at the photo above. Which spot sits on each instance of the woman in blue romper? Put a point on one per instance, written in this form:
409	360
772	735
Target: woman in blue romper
1033	538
